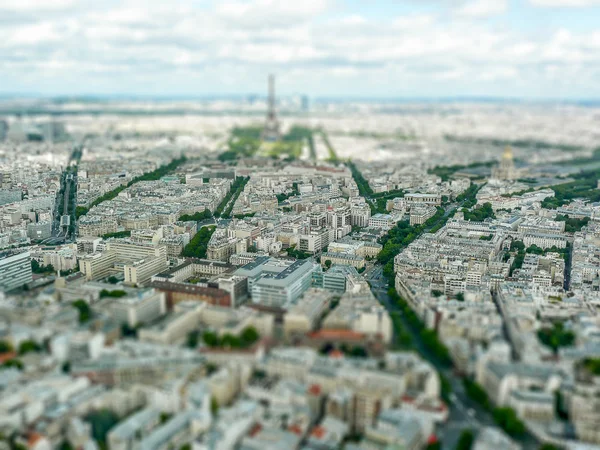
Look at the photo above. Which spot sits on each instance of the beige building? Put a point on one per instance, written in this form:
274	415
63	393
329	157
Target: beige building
305	315
583	403
140	307
221	246
347	259
96	226
175	327
97	265
414	199
421	213
142	270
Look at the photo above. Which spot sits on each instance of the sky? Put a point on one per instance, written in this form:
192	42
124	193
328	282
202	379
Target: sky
388	49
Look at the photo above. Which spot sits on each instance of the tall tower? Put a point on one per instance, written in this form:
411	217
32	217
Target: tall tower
271	131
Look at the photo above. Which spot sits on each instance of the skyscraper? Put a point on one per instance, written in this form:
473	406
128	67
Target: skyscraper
271	131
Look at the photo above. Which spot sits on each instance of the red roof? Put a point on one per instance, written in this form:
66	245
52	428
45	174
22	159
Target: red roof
33	439
438	408
295	429
255	430
336	354
336	334
314	389
432	439
318	432
7	356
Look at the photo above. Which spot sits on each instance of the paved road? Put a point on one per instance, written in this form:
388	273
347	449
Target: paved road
463	412
68	181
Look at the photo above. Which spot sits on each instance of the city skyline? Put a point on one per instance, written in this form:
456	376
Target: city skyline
315	225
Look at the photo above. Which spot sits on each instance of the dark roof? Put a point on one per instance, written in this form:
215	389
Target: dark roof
188	288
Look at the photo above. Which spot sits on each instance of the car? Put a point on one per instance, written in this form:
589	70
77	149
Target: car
471	412
453	397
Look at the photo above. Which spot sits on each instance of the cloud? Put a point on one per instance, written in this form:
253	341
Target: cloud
261	13
414	21
565	3
35	5
482	8
215	46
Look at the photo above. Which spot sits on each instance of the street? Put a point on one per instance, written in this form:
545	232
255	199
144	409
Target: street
463	412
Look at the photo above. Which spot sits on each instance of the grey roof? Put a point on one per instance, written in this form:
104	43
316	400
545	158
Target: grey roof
522	370
129	427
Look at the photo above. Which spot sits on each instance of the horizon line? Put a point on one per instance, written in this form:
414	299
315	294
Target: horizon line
317	99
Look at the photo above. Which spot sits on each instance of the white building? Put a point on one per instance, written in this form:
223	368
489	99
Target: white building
545	240
15	270
382	221
141	307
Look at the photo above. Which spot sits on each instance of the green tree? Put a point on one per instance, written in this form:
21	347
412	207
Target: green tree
479	214
506	418
85	312
102	422
446	387
556	337
198	246
476	393
231	341
29	347
592	365
327	263
5	346
249	336
128	331
193	338
460	297
38	268
117	234
214	406
16	363
197	217
358	352
65	445
465	441
117	293
211	339
516	246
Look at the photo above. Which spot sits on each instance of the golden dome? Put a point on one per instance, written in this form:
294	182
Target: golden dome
508	154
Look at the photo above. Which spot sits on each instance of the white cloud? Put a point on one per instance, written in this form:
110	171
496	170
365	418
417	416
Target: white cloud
414	21
482	8
565	3
353	20
320	47
260	13
35	5
32	35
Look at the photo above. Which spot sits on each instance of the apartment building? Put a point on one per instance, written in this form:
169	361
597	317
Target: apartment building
15	270
142	306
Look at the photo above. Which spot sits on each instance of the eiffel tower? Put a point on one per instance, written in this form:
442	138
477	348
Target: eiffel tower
271	131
